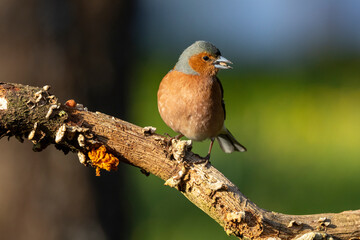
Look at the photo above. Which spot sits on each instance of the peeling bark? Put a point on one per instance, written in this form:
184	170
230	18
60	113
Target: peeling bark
33	113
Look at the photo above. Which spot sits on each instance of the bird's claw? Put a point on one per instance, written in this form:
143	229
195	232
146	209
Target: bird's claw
168	135
203	160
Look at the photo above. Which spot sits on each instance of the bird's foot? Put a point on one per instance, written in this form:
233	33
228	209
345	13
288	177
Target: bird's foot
203	160
177	137
168	135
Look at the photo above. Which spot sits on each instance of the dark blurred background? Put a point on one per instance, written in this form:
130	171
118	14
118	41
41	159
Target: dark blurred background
292	99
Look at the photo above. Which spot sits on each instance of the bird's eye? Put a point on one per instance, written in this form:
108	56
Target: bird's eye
206	58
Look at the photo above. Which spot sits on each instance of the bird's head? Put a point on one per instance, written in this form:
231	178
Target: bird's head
201	58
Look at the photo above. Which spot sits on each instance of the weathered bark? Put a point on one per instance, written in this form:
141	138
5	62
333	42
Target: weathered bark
24	112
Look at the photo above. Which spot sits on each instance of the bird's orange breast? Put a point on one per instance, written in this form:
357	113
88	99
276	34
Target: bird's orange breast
191	104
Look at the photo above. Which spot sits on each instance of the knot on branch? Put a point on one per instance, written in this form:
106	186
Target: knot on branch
149	130
178	148
294	224
243	224
324	223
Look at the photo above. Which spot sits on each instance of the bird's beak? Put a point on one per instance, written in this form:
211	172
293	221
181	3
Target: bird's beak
222	63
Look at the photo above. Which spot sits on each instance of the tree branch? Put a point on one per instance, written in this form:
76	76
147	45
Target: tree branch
34	113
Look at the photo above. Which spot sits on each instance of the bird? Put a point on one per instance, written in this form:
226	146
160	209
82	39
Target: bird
190	97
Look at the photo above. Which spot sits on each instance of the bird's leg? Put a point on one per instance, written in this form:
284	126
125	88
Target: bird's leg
168	135
206	159
210	147
177	137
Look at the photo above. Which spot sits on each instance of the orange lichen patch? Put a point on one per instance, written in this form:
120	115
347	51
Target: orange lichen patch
103	160
70	103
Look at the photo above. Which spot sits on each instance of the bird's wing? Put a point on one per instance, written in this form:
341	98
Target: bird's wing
222	96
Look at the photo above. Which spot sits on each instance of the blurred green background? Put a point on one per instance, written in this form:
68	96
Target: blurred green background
292	99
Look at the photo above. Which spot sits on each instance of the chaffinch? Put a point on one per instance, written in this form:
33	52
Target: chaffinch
190	97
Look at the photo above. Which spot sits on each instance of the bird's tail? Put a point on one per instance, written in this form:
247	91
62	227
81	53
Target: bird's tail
228	143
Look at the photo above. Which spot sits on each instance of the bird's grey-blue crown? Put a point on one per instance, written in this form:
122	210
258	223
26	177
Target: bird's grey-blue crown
197	47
